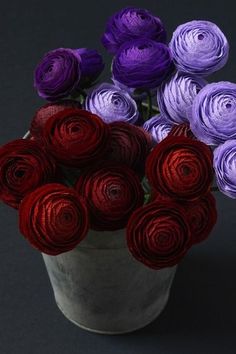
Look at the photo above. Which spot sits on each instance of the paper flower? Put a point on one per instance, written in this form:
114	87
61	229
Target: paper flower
224	163
129	145
111	103
176	95
24	165
182	130
142	63
91	65
57	75
131	23
53	218
202	217
158	127
158	234
76	137
199	47
46	111
113	192
213	115
180	168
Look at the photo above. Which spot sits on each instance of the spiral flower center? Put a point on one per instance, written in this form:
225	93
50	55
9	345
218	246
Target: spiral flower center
200	37
114	192
186	170
19	173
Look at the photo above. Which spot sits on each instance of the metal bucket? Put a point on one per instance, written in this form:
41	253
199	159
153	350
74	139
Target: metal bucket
100	287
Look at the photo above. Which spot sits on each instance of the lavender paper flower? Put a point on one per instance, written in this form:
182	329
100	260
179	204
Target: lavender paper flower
158	127
199	47
176	96
225	167
142	63
91	65
112	104
213	115
57	74
131	23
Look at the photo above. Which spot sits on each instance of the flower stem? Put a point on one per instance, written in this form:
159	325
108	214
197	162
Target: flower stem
215	189
140	107
79	94
149	105
154	108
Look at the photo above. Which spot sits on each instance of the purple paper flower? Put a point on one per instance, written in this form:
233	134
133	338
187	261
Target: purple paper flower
225	167
131	23
176	96
142	63
91	65
57	74
213	115
112	104
199	47
158	127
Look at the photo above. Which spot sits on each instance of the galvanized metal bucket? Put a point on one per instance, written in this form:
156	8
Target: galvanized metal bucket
100	287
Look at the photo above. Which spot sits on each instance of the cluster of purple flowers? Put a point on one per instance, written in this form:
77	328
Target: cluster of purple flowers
144	64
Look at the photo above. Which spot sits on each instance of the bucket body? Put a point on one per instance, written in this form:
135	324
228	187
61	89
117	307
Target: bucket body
100	286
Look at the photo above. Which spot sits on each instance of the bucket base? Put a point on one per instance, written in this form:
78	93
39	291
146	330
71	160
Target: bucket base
115	332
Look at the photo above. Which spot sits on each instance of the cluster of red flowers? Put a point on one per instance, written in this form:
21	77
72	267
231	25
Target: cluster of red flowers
73	173
182	211
76	173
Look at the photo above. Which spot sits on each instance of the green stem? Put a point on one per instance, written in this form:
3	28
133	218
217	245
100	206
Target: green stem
149	105
140	107
147	198
79	94
154	108
215	189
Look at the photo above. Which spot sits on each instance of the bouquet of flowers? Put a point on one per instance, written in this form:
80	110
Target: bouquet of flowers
139	153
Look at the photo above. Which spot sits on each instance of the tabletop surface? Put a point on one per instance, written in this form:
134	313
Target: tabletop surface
200	317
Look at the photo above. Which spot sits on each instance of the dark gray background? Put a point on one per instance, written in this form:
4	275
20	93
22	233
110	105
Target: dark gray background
201	315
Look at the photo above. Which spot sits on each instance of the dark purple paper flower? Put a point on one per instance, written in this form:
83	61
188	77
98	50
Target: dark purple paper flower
111	104
225	167
131	23
57	74
176	96
199	47
213	115
91	65
158	127
142	63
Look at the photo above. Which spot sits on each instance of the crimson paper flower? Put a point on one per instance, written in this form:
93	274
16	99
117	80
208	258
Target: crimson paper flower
53	218
24	165
112	192
129	144
158	234
46	111
202	214
180	167
182	129
76	137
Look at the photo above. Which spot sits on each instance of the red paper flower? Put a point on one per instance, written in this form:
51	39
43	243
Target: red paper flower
48	110
158	234
158	197
24	165
180	168
53	218
182	129
202	216
76	137
130	145
112	192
